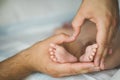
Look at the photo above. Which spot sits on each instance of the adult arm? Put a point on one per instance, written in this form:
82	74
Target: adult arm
105	14
15	68
37	59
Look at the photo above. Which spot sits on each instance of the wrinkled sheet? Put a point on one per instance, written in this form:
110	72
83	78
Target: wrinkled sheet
26	24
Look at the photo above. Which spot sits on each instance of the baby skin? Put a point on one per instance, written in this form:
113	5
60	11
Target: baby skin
84	48
60	54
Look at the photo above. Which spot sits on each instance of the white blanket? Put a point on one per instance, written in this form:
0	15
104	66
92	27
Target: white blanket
24	22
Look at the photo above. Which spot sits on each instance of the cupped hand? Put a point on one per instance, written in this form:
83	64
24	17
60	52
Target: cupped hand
39	60
105	14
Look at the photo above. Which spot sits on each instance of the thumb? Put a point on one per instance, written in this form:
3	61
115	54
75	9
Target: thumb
58	38
76	24
102	41
76	68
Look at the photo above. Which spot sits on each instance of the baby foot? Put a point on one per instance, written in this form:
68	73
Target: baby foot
59	54
89	54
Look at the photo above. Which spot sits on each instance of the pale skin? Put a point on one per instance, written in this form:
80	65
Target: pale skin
37	59
74	52
61	55
105	14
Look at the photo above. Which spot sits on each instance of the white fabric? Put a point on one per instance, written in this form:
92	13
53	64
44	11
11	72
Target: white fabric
24	22
116	76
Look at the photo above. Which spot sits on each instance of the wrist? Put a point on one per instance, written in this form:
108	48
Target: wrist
15	67
26	58
31	59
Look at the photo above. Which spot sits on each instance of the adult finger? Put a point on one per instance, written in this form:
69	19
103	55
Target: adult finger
102	35
76	68
76	24
107	49
58	38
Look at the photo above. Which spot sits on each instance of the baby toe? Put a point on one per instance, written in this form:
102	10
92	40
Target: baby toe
53	45
50	49
91	58
53	58
52	53
94	50
93	54
95	46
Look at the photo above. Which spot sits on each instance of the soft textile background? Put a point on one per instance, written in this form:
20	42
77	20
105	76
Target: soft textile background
24	22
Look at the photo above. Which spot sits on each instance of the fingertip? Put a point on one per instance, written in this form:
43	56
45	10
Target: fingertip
102	66
70	39
96	62
98	56
78	21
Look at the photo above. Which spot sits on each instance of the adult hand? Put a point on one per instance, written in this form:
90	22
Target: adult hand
105	14
39	60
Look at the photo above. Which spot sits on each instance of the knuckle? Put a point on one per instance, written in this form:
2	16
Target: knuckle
75	23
